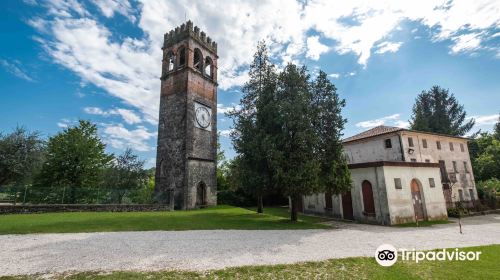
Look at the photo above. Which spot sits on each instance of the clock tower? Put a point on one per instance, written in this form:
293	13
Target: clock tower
187	128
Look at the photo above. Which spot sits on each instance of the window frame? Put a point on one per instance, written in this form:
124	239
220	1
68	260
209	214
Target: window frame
388	141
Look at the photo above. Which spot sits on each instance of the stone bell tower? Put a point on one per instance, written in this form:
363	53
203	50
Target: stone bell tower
187	128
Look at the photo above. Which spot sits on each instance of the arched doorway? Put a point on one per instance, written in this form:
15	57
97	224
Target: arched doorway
347	212
416	197
201	194
368	203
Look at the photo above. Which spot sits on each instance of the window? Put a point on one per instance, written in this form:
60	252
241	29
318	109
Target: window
410	141
451	147
424	143
461	195
428	161
465	167
455	169
198	60
397	183
388	143
432	184
462	149
170	61
438	145
208	67
182	56
472	196
413	160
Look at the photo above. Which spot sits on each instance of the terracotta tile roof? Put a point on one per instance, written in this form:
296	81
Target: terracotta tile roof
379	130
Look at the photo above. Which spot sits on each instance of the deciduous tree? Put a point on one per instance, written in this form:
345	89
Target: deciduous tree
75	161
21	156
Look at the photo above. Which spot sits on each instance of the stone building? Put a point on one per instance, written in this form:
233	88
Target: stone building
400	175
187	128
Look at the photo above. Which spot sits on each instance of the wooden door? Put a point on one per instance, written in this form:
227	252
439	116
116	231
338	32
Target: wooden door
347	206
418	205
368	202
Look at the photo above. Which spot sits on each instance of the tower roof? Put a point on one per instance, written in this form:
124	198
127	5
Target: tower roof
186	30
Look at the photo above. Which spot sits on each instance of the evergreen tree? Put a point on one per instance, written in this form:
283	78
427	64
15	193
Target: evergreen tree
436	110
252	122
75	161
294	159
329	123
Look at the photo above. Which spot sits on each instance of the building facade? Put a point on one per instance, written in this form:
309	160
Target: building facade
400	176
187	128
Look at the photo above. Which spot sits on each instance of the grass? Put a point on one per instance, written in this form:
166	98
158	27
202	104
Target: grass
219	217
283	212
424	224
349	268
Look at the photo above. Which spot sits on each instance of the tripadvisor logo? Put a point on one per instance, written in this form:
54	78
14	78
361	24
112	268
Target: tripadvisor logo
387	255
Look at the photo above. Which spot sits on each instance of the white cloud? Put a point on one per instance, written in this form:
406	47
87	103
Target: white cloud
392	120
388	47
350	74
128	115
120	137
334	75
110	7
221	109
315	48
62	125
14	67
485	120
65	123
466	43
77	40
225	132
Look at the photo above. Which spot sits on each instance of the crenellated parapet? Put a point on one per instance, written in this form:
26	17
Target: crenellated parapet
186	30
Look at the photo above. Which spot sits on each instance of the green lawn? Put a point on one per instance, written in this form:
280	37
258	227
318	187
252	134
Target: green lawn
351	268
219	217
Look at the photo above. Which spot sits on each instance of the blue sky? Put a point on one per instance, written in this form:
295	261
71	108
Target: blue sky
64	60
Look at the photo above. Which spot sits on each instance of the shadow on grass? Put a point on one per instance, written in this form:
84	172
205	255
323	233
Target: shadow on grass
221	217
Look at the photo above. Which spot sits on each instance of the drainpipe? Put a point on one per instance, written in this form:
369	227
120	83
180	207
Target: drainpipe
401	146
378	195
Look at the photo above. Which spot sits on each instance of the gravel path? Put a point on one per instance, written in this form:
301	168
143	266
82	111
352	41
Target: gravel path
213	249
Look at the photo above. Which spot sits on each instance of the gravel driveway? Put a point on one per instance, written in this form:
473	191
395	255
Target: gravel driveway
212	249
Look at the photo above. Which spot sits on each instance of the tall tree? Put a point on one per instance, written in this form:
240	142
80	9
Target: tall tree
75	160
21	156
294	157
329	123
496	129
436	110
485	156
126	174
252	124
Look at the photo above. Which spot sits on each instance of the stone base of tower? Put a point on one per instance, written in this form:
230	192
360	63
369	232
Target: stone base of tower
198	190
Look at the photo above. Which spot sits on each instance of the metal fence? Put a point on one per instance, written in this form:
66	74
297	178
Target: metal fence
74	195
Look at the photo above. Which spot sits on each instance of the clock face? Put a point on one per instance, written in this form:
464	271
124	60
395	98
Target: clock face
203	117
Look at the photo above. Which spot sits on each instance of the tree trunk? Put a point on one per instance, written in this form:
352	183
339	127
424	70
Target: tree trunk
260	204
294	210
